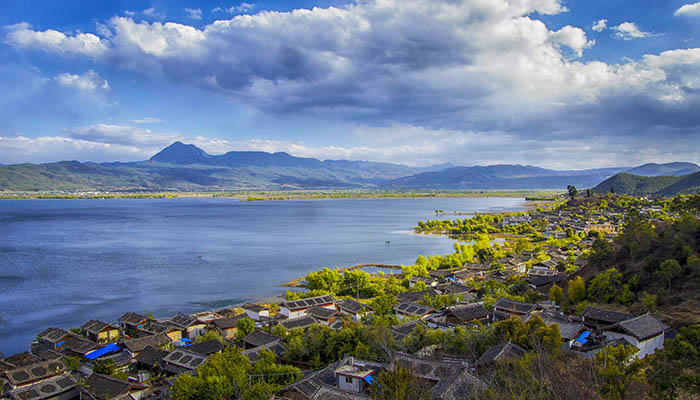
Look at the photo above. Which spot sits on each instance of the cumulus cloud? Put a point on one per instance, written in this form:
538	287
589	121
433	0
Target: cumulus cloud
89	81
194	13
52	41
689	10
600	25
629	31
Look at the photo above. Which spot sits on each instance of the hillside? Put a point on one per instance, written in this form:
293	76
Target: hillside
669	169
635	185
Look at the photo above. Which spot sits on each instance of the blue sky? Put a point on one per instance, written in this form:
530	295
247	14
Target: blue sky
554	83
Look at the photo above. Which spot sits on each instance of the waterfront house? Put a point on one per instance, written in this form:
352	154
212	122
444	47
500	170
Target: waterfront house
354	309
644	332
152	327
51	339
76	346
191	327
131	321
32	374
150	359
505	308
255	311
299	308
100	332
408	309
227	326
62	386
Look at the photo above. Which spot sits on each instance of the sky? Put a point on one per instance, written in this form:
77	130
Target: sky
565	84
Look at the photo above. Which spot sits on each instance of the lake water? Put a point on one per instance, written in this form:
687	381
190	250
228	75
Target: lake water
64	262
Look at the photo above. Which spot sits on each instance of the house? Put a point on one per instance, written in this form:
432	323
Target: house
568	329
227	326
408	309
461	386
102	387
428	281
152	327
300	322
207	348
18	360
135	346
440	274
179	361
477	267
505	308
462	314
299	308
402	330
595	318
547	264
354	377
428	372
540	270
100	332
544	283
131	321
323	315
76	346
191	327
62	386
606	228
354	309
51	339
259	338
644	332
34	373
457	289
255	311
497	353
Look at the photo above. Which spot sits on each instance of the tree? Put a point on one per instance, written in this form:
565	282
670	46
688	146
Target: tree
556	294
577	290
104	367
401	383
605	286
244	327
675	370
209	335
73	363
617	368
668	270
649	301
573	192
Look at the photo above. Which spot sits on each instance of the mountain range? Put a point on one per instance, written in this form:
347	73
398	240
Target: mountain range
186	167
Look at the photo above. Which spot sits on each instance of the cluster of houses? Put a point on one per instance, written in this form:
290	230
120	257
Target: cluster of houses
141	346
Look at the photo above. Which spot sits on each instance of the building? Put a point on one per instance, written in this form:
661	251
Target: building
135	346
51	339
505	308
131	321
354	377
354	309
323	315
191	327
644	332
596	318
300	308
227	327
179	361
100	332
407	309
152	327
259	338
97	386
496	353
255	311
76	346
462	314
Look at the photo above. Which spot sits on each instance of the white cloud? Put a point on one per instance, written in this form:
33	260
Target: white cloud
241	8
89	81
52	41
574	38
600	25
629	31
689	10
195	13
151	12
147	120
123	135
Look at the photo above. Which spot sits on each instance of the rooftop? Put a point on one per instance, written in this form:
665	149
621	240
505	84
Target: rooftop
185	359
308	303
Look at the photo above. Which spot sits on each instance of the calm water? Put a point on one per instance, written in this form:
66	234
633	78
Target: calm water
64	262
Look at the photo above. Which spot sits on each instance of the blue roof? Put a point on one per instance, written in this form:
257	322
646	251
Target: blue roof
185	339
369	379
582	337
100	352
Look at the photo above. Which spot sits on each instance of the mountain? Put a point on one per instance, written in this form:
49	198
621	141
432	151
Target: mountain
502	177
669	169
186	167
637	185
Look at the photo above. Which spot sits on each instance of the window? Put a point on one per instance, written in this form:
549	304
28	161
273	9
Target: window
348	380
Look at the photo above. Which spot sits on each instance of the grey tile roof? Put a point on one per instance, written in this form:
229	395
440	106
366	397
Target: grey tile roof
96	326
79	346
184	359
150	356
34	372
606	316
514	306
206	348
253	307
53	335
183	320
643	327
426	369
414	309
132	318
105	387
321	313
468	312
137	345
500	351
308	303
50	388
260	338
462	386
229	322
352	306
300	322
416	296
154	327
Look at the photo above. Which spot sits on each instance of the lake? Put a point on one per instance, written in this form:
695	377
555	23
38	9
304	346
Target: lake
64	262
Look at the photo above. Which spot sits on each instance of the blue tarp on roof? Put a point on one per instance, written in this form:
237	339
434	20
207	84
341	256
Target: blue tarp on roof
100	352
369	379
185	340
582	337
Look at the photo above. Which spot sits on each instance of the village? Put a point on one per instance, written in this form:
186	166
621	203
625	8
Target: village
423	321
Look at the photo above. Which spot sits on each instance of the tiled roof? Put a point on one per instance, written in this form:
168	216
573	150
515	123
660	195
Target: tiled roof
300	322
353	306
150	356
20	359
321	313
105	387
185	359
50	388
96	326
413	309
132	318
514	306
253	307
427	369
500	351
137	345
207	348
183	320
80	346
260	338
154	327
53	335
462	386
468	312
34	372
416	296
229	322
308	303
610	317
643	327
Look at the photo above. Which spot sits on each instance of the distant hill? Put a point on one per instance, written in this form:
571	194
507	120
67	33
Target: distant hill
625	183
669	169
186	167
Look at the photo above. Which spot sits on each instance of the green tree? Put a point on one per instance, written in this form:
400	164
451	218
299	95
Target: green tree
400	383
105	367
279	330
73	363
556	294
383	305
649	301
668	270
616	368
209	335
605	286
675	370
577	290
244	327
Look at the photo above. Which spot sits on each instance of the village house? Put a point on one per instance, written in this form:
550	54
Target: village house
51	339
596	318
148	362
255	311
100	332
408	309
300	322
446	380
151	327
543	283
227	326
456	289
180	360
505	308
354	309
131	321
207	348
135	346
323	315
76	346
606	228
428	281
32	374
493	354
463	314
259	339
299	308
191	327
568	329
644	332
99	387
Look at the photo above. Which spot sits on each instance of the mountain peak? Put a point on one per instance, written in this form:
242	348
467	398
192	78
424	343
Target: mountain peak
181	153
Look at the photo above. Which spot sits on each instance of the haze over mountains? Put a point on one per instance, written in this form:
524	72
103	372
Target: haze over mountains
187	167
